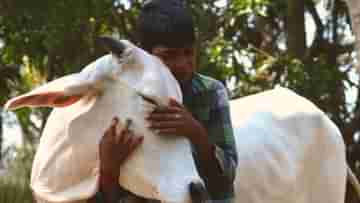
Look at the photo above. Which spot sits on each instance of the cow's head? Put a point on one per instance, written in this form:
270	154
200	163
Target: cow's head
126	63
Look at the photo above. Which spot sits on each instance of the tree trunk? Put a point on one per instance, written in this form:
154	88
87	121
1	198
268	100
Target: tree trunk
295	25
354	8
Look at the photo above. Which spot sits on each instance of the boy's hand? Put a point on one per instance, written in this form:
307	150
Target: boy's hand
175	120
115	147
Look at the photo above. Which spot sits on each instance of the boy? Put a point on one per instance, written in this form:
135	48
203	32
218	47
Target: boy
166	29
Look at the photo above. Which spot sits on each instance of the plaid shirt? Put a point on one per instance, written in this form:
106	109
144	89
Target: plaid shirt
207	100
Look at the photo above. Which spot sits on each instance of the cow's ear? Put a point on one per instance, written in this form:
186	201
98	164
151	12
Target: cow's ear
62	92
115	46
46	99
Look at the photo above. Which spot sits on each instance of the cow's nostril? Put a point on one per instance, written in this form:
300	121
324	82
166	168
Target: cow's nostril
115	46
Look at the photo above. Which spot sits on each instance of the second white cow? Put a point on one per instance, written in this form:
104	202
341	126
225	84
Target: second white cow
289	150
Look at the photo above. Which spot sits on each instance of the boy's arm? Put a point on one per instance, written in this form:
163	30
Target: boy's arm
115	147
219	177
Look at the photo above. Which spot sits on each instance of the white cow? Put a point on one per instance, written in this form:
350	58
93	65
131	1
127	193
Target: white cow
66	165
289	150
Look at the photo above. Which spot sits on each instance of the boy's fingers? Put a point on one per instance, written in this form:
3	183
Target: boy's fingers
163	116
173	102
127	138
111	130
168	109
114	124
165	124
134	143
138	141
122	138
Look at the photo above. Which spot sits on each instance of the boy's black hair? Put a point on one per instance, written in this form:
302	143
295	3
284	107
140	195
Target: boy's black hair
165	22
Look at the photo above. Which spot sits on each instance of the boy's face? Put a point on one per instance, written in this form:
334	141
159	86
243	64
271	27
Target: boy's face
181	61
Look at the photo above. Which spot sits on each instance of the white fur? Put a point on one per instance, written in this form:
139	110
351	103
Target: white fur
66	164
289	150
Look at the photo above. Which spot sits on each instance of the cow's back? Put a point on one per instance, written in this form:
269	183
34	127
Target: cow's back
289	150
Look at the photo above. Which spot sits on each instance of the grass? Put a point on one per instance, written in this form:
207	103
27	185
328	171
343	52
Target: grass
13	190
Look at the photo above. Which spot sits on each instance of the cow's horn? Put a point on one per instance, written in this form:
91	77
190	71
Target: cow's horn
115	46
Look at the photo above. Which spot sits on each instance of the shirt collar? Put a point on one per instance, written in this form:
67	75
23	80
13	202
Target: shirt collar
186	86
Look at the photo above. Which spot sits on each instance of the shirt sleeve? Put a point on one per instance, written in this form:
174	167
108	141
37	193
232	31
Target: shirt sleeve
219	177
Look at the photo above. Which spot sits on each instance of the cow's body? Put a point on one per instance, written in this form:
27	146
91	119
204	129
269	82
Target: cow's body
289	151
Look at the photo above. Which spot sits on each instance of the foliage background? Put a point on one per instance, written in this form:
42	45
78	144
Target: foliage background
250	45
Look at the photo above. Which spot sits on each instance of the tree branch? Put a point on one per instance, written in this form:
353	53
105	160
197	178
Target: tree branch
295	28
310	5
